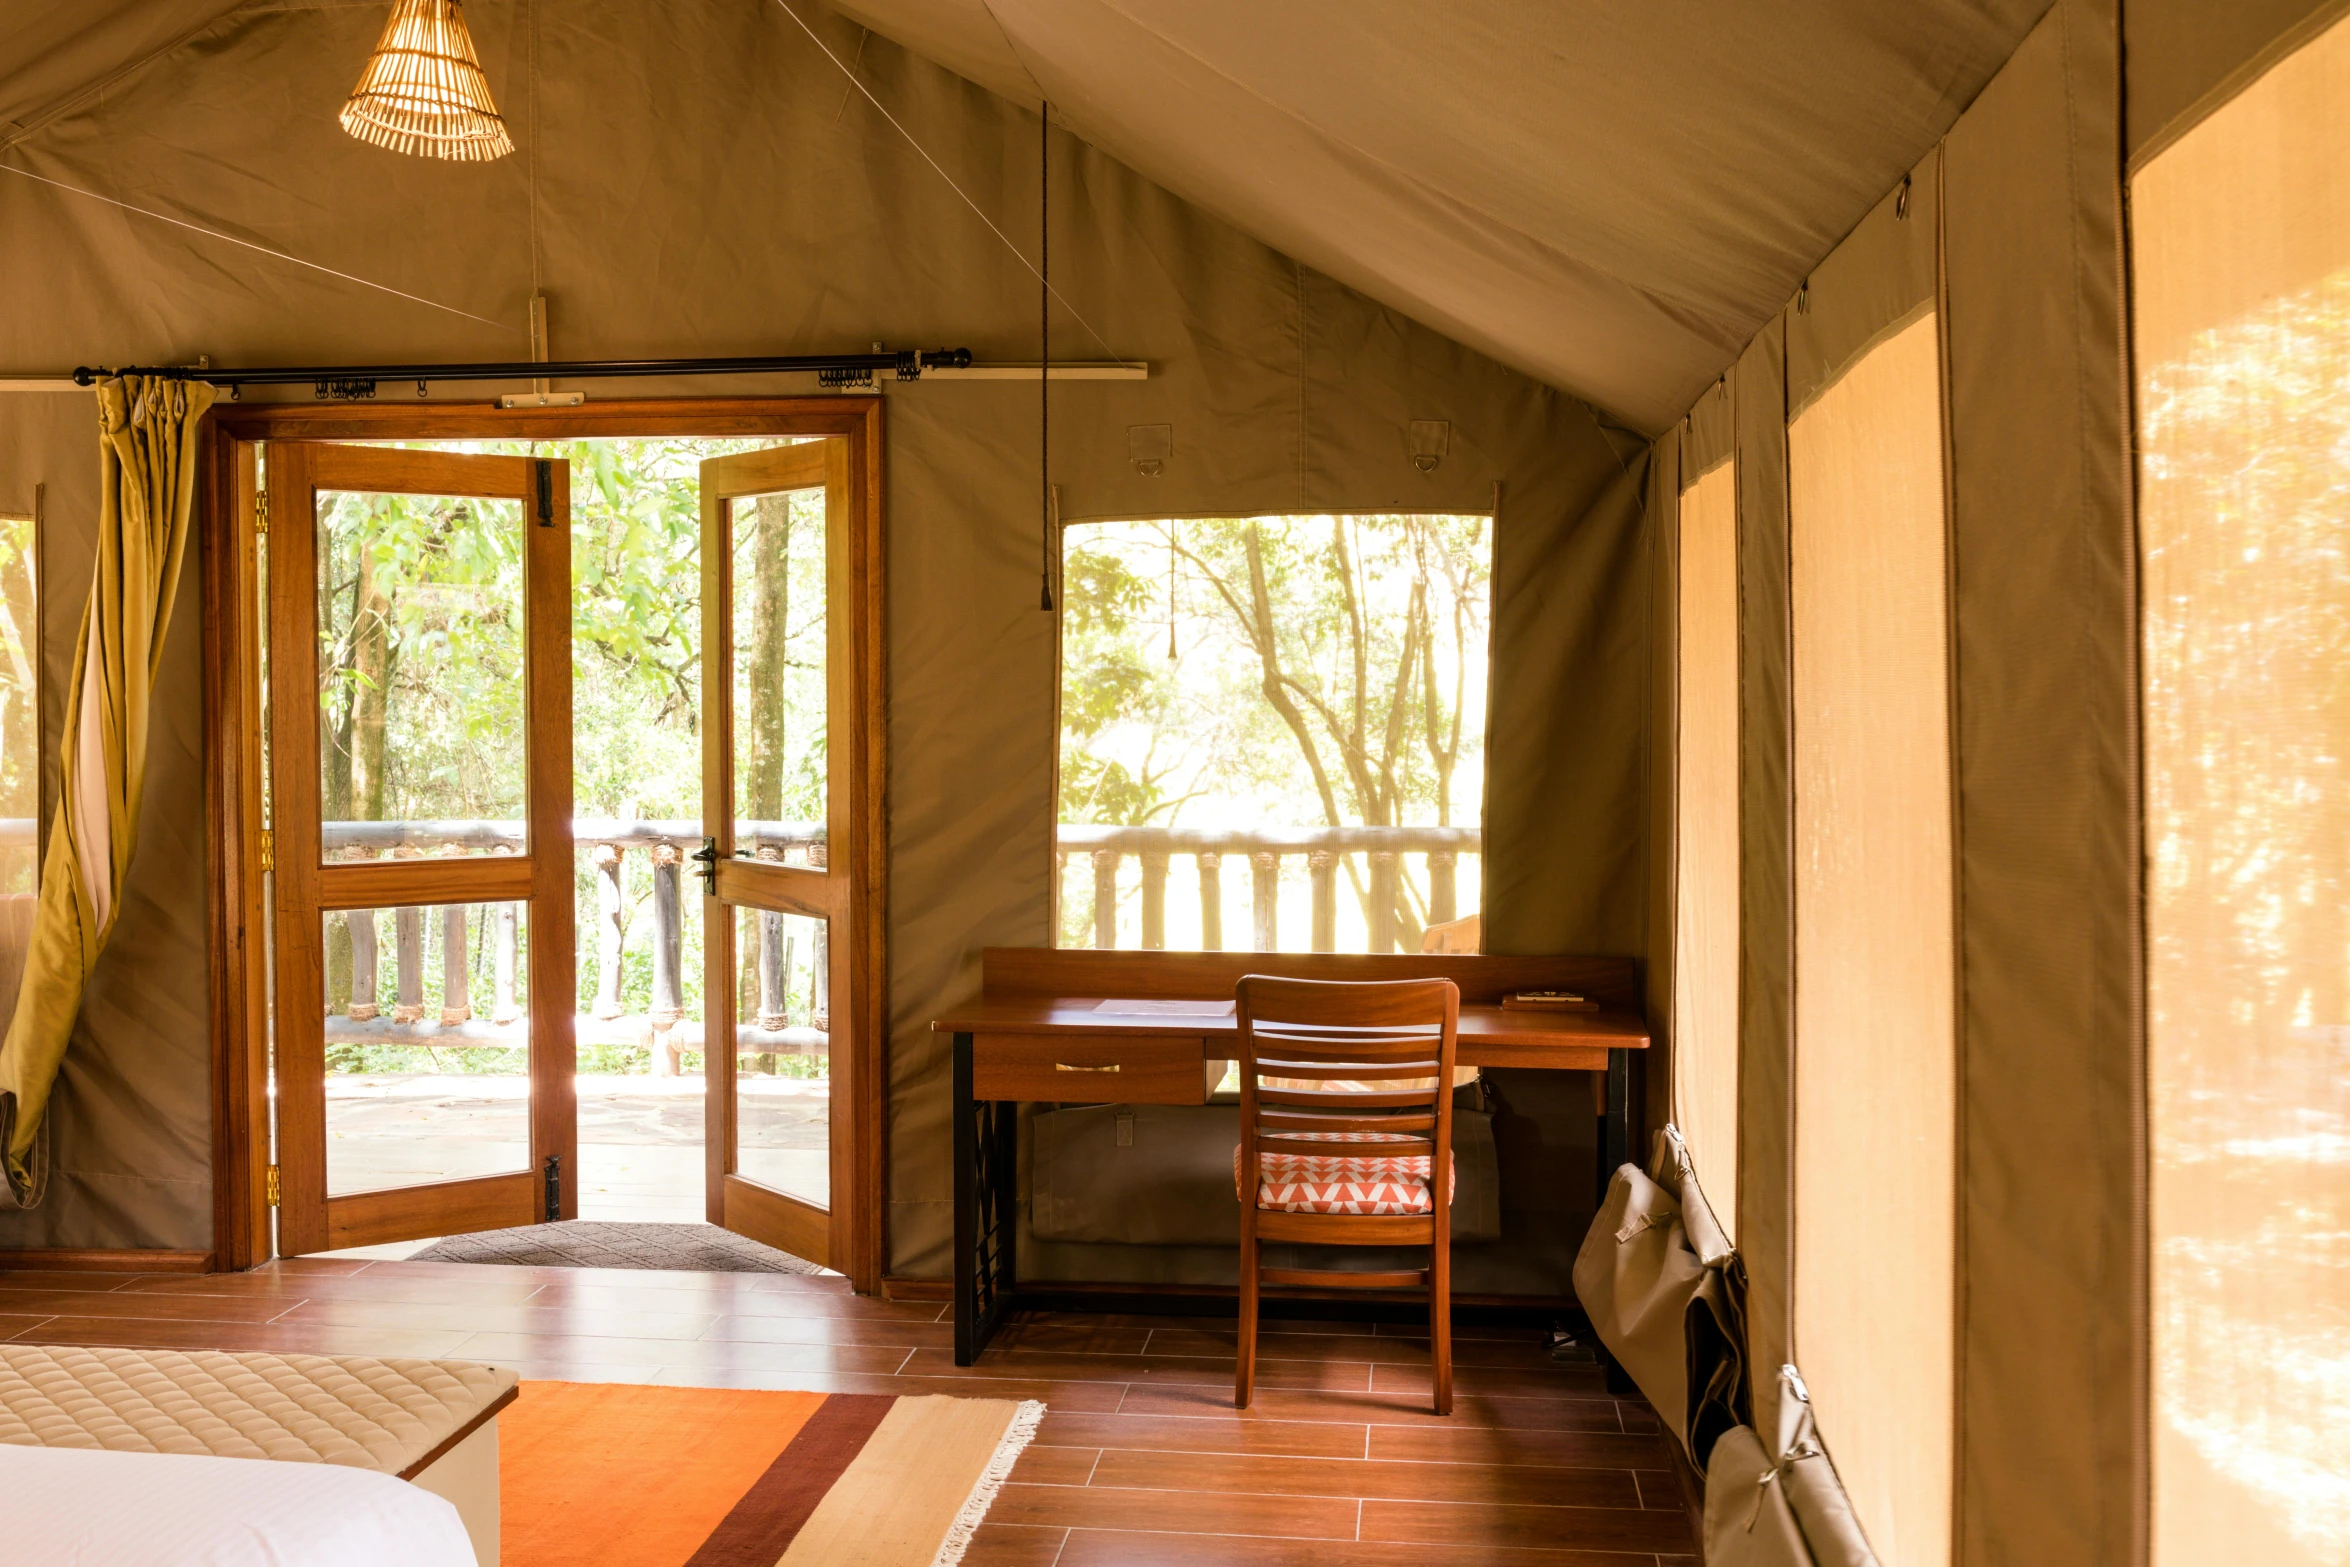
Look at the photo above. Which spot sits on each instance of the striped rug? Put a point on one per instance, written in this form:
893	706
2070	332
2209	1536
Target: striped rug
607	1474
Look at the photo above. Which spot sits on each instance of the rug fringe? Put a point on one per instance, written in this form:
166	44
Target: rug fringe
1016	1438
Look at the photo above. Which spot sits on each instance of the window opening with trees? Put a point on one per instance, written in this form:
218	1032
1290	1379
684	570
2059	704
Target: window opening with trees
1290	708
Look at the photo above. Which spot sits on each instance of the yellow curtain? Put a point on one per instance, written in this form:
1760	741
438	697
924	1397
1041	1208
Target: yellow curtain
147	492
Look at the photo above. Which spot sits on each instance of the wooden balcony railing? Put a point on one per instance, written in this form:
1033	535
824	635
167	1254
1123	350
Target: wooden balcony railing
610	844
613	847
1321	848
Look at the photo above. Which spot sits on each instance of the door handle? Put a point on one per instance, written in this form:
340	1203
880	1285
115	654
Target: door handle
706	866
1063	1066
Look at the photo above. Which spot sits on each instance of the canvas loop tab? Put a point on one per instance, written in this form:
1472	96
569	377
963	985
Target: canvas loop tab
1638	1223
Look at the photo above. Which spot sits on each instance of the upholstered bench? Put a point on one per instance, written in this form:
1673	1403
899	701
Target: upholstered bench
432	1422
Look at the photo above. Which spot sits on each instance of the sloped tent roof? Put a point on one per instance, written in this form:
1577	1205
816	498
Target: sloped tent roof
1610	198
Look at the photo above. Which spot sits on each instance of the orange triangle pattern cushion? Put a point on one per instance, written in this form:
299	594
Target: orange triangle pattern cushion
1394	1184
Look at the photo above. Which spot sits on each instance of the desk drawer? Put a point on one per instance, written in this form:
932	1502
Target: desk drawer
1107	1070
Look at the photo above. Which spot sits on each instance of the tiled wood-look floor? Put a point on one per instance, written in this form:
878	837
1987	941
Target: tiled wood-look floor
1141	1459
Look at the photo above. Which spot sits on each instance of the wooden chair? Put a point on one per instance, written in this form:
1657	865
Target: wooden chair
1346	1128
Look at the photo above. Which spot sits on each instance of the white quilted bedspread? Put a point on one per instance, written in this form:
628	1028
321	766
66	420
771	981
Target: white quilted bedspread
360	1413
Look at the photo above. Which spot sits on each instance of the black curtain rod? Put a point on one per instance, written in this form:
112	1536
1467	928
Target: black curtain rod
351	381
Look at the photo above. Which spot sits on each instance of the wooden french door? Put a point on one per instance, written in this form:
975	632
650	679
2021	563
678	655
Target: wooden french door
790	659
421	838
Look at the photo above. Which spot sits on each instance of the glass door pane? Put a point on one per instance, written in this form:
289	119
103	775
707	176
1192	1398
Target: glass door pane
783	1053
421	724
427	1046
780	675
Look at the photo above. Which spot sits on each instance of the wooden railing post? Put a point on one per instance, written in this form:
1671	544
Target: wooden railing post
1105	898
1322	866
1443	885
820	958
611	927
1264	875
771	943
1154	902
502	1007
668	991
456	970
363	956
1211	901
408	956
1382	900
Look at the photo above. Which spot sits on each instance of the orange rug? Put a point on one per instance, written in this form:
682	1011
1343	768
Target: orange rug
608	1474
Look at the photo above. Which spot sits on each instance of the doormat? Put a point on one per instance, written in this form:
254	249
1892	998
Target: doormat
608	1243
608	1474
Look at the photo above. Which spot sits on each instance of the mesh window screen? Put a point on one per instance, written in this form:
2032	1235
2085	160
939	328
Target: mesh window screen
1705	943
1874	1037
2242	253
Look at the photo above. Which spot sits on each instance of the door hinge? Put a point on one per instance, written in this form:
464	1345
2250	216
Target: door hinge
261	511
273	1187
554	1188
546	486
268	851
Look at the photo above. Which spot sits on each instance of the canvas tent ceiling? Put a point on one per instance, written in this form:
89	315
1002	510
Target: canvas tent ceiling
1610	198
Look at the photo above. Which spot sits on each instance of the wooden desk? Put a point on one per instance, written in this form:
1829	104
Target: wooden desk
1087	1027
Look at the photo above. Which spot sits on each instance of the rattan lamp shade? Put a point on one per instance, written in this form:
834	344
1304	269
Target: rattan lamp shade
423	91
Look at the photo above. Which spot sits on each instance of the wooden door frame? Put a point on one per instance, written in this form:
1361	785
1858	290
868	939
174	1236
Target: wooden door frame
231	616
736	1202
310	886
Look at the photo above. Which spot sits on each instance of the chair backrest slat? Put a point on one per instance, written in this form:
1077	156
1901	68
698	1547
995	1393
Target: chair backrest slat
1392	1044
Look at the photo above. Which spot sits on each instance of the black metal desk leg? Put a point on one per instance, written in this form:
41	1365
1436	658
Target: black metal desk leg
987	1214
1615	1124
966	1177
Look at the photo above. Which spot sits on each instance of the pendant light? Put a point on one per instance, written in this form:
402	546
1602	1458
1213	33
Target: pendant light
423	92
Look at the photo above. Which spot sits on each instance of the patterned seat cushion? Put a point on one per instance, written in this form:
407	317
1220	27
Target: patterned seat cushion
313	1409
1373	1183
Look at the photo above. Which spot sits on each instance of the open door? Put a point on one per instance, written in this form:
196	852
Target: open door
787	815
420	836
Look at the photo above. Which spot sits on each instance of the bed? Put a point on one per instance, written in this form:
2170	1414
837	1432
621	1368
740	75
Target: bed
116	1457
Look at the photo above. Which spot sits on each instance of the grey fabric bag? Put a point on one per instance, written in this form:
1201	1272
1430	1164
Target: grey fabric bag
1666	1295
1161	1175
1790	1511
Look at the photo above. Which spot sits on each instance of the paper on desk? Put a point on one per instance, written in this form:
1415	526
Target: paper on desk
1166	1008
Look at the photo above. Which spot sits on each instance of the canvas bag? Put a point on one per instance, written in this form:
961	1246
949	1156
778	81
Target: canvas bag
1787	1512
1666	1295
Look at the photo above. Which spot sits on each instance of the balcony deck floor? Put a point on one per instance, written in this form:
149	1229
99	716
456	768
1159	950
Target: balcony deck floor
1141	1458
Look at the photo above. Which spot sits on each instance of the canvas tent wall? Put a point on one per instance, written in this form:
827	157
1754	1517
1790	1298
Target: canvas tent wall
2011	236
706	181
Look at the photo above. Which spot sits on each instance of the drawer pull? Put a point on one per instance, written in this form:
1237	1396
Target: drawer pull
1063	1066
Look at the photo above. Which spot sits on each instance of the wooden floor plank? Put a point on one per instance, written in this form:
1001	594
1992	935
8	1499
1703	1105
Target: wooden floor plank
1134	1548
719	1355
1232	1474
1332	1375
1010	1545
1205	1434
1474	1444
1410	1408
1503	1524
1047	1465
1176	1512
153	1333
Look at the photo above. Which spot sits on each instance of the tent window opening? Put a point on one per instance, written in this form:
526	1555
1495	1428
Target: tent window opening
1705	876
1272	733
2241	240
20	741
1875	1041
